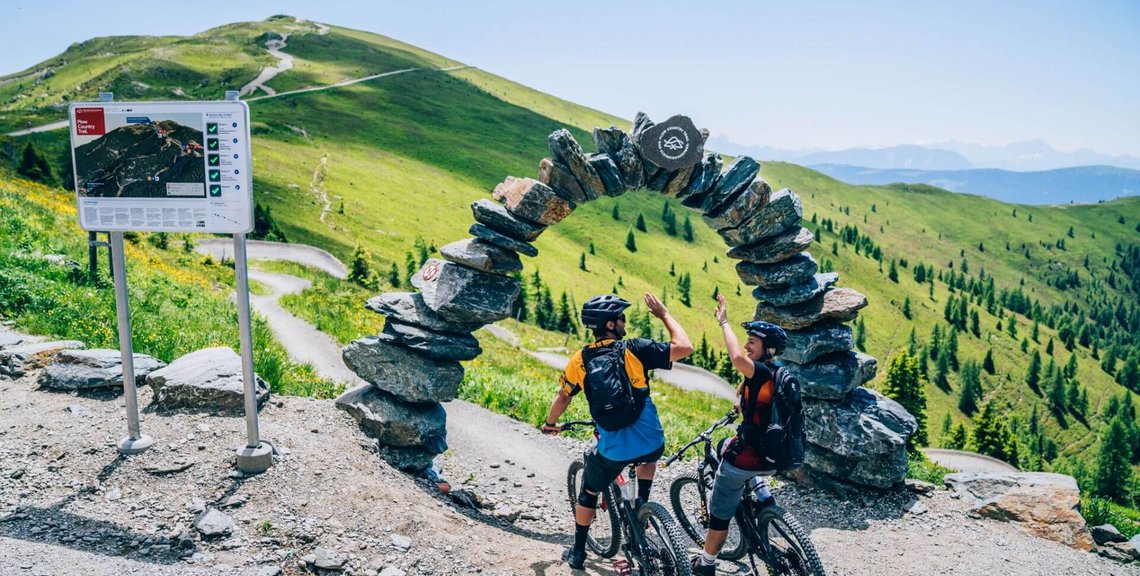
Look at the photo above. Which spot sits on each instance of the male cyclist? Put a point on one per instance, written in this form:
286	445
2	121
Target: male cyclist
743	457
614	373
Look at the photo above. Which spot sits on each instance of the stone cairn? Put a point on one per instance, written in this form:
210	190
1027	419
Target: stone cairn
855	435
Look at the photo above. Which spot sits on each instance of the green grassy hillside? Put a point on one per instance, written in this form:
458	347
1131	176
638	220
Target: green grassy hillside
399	159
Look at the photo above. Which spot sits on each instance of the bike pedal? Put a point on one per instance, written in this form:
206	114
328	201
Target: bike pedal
622	567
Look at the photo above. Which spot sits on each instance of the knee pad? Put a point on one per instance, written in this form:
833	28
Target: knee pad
718	523
586	499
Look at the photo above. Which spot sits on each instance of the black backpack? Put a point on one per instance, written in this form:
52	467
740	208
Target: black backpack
782	442
614	403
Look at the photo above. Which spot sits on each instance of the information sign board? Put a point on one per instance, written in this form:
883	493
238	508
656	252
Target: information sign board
163	166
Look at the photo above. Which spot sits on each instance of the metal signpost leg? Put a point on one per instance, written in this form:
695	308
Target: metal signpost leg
135	442
256	456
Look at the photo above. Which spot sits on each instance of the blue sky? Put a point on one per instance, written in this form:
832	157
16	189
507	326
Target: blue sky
783	74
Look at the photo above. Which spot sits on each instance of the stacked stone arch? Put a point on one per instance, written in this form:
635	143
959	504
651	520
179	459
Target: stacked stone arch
855	435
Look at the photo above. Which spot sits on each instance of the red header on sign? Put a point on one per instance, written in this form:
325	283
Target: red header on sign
89	122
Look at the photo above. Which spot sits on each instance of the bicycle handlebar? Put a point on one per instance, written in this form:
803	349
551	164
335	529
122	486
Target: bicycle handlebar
702	437
577	423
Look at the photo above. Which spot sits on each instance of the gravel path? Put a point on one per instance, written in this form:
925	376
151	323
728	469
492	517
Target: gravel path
284	62
962	461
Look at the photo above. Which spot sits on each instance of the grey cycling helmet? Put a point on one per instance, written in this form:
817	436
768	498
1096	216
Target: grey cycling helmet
773	336
600	309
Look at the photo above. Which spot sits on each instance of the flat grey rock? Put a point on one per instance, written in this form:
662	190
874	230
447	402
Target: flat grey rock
482	256
17	360
9	339
774	249
608	172
99	368
782	212
795	270
824	338
565	150
615	142
406	374
561	180
394	422
410	308
840	304
731	182
496	217
796	293
410	460
212	523
461	294
438	345
207	380
741	207
832	376
501	240
701	181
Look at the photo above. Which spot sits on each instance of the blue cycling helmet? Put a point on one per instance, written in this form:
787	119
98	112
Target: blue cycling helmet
773	336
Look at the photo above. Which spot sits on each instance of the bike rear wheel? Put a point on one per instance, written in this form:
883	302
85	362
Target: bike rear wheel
604	537
685	497
664	551
790	551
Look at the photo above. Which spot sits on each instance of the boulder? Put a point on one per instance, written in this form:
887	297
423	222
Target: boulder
859	440
502	240
102	368
731	182
565	150
438	345
701	181
207	380
412	460
497	218
17	360
741	207
1044	504
796	293
657	180
212	523
615	142
408	375
795	270
9	339
806	345
608	172
393	422
561	180
678	181
832	376
782	212
1106	533
842	304
776	248
482	256
530	199
461	294
410	308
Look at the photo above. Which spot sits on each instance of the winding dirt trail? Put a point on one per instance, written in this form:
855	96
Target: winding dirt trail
284	62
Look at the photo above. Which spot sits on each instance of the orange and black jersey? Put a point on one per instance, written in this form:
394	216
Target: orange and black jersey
641	356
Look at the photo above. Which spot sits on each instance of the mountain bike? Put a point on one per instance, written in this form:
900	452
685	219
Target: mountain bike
768	534
647	535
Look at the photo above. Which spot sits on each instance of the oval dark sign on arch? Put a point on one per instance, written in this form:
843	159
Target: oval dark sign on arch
673	144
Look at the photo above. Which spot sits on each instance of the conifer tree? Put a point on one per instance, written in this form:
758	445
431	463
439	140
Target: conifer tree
971	393
565	322
947	425
1113	476
860	335
687	229
641	222
582	262
958	439
615	214
683	287
1033	372
904	385
988	362
394	276
360	271
893	273
630	242
672	269
993	437
942	372
1049	347
669	218
906	307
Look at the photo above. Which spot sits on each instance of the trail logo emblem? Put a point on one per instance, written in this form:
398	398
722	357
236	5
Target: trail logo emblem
431	271
674	144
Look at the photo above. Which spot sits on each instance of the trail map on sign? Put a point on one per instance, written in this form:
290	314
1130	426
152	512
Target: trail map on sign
163	166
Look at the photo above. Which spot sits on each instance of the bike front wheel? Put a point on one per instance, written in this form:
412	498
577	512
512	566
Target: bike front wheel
604	537
684	495
789	550
664	550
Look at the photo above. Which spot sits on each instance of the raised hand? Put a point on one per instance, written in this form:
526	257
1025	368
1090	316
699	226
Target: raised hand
656	308
721	312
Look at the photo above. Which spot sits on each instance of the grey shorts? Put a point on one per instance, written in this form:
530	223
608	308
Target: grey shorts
729	486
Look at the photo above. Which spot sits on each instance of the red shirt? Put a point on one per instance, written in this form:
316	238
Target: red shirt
749	458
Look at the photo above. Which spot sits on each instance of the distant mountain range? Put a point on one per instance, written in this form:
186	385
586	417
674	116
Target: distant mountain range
1062	186
1030	155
